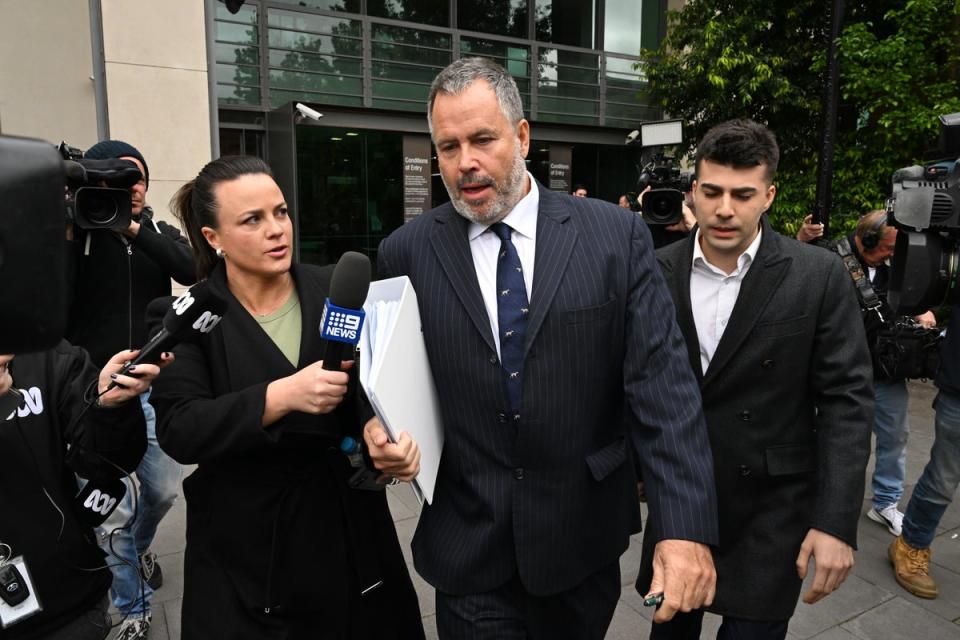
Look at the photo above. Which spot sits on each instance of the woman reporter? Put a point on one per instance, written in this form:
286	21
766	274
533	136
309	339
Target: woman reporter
277	544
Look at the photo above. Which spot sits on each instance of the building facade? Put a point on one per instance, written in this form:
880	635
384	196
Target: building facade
186	80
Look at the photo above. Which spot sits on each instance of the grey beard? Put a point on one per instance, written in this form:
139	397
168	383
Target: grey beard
507	196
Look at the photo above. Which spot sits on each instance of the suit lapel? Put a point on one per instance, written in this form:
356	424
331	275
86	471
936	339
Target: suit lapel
555	242
759	285
677	274
449	241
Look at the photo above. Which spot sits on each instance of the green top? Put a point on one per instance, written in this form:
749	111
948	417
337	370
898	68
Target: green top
283	326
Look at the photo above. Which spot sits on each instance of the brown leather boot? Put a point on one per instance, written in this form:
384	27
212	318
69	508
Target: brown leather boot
911	568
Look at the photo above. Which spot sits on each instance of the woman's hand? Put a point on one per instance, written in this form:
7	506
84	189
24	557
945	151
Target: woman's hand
6	381
311	390
131	384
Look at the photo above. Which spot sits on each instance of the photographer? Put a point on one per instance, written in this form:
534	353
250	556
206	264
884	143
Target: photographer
117	275
872	245
53	430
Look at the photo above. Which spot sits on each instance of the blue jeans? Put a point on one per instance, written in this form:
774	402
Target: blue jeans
891	429
935	489
159	479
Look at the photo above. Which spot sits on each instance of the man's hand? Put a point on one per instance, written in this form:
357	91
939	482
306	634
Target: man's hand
809	231
132	229
687	220
683	571
833	560
399	460
137	380
926	320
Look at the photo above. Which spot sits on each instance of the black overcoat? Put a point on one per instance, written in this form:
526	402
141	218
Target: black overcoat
789	404
275	539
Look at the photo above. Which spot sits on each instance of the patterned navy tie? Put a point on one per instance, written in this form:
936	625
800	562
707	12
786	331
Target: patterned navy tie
512	310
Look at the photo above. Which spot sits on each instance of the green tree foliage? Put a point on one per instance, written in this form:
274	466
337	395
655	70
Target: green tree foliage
765	59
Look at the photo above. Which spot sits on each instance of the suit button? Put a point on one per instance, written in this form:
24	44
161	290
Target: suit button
502	418
745	416
767	364
493	358
744	471
518	473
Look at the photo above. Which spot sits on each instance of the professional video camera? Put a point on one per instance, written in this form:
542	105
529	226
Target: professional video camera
40	191
663	204
925	207
98	195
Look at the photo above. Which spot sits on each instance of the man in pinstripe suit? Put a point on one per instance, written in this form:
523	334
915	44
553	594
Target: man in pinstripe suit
535	498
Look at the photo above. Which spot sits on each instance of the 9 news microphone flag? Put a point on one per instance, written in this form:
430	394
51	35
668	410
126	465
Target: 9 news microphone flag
343	313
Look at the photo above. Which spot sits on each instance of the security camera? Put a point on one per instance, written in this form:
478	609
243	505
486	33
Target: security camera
632	136
307	112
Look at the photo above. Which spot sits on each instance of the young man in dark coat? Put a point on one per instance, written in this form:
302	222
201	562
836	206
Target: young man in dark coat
774	336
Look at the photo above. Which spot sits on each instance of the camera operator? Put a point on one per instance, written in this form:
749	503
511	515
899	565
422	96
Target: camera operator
117	275
872	245
53	430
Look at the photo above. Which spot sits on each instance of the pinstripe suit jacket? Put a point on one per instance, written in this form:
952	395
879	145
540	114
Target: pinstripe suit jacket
549	493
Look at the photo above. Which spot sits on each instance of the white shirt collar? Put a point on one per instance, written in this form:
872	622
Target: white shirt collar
746	258
522	218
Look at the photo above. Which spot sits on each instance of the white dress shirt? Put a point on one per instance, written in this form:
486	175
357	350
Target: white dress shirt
713	293
485	247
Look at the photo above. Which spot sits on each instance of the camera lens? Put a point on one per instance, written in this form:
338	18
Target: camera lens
100	208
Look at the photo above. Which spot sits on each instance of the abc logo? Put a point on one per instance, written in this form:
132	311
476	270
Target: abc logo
99	502
206	322
184	302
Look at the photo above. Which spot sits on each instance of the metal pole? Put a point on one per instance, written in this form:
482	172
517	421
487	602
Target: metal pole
99	70
828	131
210	26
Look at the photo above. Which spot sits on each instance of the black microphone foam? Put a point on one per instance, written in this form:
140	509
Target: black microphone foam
192	315
350	281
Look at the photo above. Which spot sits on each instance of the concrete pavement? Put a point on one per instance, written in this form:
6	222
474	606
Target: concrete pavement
869	606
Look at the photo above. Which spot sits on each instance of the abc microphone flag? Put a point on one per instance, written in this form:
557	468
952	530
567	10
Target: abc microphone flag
191	316
343	312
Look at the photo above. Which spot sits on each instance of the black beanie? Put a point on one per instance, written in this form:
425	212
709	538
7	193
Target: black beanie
107	149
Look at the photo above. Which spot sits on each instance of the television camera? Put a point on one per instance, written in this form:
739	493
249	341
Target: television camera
43	191
925	208
663	204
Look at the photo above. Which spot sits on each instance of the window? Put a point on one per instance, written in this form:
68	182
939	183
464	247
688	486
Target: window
315	57
569	22
433	12
502	18
237	56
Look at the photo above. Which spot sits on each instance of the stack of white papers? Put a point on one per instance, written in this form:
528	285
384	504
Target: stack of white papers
395	374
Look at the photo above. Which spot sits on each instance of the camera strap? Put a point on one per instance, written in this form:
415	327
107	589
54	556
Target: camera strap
869	300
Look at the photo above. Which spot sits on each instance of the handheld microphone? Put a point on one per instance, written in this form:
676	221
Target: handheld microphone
343	311
191	316
97	500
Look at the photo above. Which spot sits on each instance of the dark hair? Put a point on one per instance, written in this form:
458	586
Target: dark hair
195	206
740	144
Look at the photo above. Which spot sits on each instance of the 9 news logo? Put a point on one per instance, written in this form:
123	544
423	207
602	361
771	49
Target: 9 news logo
341	324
